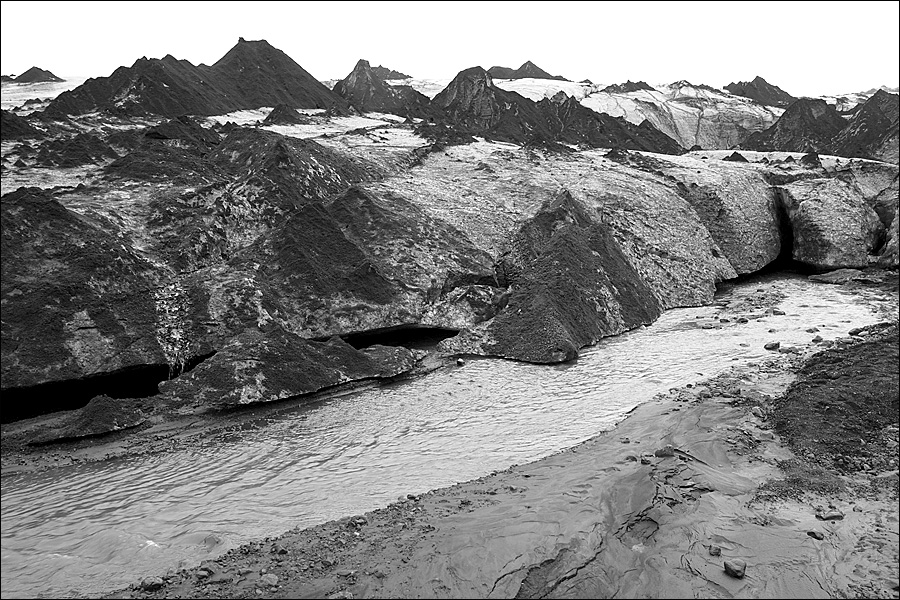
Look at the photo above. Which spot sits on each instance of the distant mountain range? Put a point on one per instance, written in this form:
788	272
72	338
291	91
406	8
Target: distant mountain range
813	125
528	70
525	105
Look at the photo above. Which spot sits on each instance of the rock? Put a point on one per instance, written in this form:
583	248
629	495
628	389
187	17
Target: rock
269	579
735	568
830	515
772	345
151	584
667	450
342	595
838	276
262	367
832	224
715	551
816	534
460	362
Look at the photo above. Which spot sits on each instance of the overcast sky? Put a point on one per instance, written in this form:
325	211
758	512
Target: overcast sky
806	48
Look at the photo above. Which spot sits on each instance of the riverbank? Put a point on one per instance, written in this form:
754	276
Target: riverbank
721	471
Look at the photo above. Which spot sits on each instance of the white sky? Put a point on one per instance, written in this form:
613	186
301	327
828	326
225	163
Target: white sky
806	48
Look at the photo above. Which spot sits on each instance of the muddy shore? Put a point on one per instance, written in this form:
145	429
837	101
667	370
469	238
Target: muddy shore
749	468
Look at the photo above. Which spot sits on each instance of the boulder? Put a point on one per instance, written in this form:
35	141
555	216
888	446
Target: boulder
736	568
833	226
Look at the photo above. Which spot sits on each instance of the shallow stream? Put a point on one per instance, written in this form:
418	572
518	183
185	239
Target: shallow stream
92	528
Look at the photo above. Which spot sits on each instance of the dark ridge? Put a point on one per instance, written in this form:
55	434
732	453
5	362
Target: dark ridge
736	157
250	75
14	127
36	75
81	149
628	86
528	70
472	104
413	336
285	115
762	91
367	92
384	73
808	125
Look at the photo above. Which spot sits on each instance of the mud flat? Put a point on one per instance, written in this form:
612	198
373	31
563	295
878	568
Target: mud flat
748	468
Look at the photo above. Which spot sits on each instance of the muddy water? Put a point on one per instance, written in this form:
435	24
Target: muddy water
83	530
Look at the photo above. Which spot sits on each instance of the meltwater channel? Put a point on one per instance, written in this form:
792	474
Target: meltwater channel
93	528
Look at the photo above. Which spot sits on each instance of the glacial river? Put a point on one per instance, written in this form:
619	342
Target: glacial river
92	528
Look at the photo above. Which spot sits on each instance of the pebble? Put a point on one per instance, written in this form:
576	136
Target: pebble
735	568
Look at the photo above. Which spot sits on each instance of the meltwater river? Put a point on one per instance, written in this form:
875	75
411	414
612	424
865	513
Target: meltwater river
92	528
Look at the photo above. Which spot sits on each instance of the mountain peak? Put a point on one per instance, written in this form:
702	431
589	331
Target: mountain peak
37	75
528	70
761	91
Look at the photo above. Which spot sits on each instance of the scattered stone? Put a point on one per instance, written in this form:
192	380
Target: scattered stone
279	549
831	515
342	595
816	534
735	568
743	320
772	346
757	412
